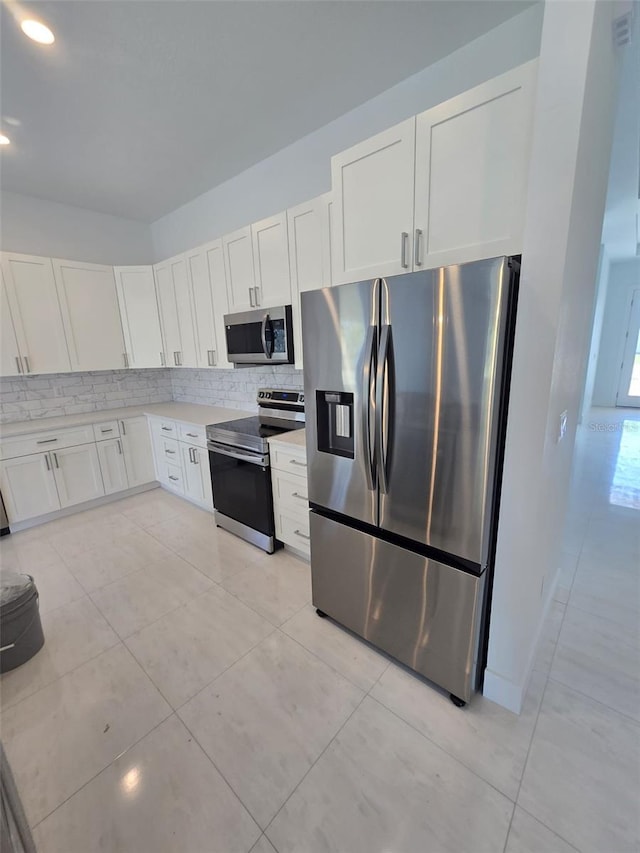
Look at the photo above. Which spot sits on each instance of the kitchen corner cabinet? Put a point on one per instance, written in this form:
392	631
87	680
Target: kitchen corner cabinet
207	280
176	313
90	314
35	312
28	486
373	183
114	472
238	263
445	187
309	227
271	261
137	450
136	289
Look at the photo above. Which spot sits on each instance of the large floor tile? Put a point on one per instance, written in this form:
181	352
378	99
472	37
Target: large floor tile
599	658
609	591
197	542
74	633
266	720
186	649
149	508
161	796
382	786
276	585
58	738
263	845
88	535
528	835
23	553
583	773
347	654
103	564
56	586
485	737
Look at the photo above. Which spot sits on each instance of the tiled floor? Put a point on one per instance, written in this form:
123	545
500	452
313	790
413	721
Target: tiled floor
189	699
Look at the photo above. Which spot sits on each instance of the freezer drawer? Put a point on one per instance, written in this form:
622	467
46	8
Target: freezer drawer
420	611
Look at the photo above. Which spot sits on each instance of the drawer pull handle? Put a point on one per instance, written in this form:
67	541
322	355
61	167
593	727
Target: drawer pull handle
301	534
46	441
124	432
298	495
119	447
18	364
175	479
171	452
167	429
107	430
295	462
192	434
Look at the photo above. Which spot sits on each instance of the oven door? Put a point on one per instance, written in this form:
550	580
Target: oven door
241	483
260	337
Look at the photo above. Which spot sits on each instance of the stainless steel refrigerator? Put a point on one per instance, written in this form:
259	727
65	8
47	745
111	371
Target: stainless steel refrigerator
406	384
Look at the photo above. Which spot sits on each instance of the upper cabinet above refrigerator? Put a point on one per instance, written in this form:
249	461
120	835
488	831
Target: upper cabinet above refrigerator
445	187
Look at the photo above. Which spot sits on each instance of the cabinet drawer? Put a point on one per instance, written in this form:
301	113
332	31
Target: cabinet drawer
290	491
293	530
23	445
105	430
169	450
171	476
192	434
290	459
163	428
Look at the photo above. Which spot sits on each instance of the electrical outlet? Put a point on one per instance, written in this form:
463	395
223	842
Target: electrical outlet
562	431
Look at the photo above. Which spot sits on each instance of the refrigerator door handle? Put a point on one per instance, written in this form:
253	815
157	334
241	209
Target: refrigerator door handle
368	401
384	390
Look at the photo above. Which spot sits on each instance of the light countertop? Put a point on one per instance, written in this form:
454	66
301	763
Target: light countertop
190	413
297	437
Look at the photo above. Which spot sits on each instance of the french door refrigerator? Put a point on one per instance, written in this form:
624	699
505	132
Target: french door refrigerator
406	382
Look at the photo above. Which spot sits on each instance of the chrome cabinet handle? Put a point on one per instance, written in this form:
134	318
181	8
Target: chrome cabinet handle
46	441
163	362
26	364
119	447
295	462
211	357
124	432
175	359
251	298
126	359
170	452
196	458
192	434
298	495
18	364
404	237
46	459
191	454
106	430
175	479
256	291
167	429
55	458
301	534
417	240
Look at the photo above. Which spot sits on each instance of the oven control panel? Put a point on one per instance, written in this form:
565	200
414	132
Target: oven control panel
283	399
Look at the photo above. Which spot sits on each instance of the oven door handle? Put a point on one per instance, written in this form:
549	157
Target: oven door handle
258	459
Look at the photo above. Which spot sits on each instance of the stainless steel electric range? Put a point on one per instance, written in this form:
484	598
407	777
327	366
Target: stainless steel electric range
240	468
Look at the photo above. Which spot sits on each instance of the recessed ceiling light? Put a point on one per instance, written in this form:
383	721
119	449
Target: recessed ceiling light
4	140
37	31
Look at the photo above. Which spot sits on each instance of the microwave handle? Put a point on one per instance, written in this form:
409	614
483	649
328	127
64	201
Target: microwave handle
263	334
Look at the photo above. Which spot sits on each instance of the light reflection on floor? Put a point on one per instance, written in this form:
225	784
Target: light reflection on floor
625	484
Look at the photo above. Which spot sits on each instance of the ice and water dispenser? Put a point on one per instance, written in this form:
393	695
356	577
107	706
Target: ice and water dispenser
335	423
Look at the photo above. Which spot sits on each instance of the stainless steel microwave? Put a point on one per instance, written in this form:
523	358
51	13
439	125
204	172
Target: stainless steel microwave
263	336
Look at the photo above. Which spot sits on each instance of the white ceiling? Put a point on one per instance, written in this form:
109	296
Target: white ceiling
140	106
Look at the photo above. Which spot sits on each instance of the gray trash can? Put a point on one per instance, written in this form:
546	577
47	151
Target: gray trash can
20	627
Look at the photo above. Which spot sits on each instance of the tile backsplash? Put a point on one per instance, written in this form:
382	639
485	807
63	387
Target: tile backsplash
45	396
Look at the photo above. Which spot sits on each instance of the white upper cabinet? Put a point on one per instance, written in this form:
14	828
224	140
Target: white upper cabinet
10	361
271	261
472	160
90	313
140	319
35	311
238	262
176	312
309	256
373	185
207	278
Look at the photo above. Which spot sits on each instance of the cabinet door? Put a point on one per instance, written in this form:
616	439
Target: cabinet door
77	474
306	254
138	453
218	280
35	310
112	467
165	291
90	313
472	162
140	319
188	353
328	240
373	188
10	362
238	262
199	264
197	477
271	261
28	486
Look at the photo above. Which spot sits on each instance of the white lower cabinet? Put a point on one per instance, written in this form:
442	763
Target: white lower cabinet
112	466
137	450
290	496
77	474
28	486
197	478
